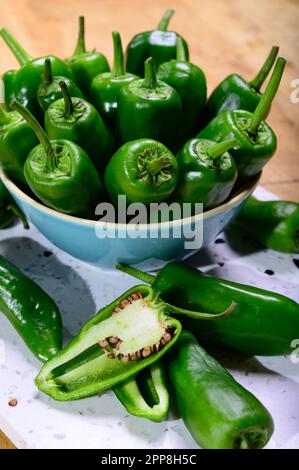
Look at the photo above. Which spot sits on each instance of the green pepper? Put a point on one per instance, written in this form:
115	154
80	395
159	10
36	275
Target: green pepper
190	83
146	395
264	323
257	141
207	172
77	120
31	311
234	92
8	81
59	172
275	224
17	139
105	87
217	410
144	171
49	89
148	108
86	64
28	76
159	44
9	210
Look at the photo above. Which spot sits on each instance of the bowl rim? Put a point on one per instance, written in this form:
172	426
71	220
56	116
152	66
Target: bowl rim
242	194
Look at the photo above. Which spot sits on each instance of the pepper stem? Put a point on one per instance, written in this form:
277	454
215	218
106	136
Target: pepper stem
4	116
203	315
20	54
263	73
68	104
217	150
153	167
163	25
118	64
150	77
47	77
135	272
264	104
19	214
80	46
181	55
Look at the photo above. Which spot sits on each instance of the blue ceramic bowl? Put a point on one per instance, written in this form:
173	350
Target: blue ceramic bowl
149	247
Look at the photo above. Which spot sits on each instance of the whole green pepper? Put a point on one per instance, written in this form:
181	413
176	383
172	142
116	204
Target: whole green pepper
59	172
217	410
148	108
257	141
28	76
275	224
190	83
17	139
143	170
31	311
159	44
77	120
105	87
8	81
207	172
9	210
146	396
234	92
264	323
49	89
86	64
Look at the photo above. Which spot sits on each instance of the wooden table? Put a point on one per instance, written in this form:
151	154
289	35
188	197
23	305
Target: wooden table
224	36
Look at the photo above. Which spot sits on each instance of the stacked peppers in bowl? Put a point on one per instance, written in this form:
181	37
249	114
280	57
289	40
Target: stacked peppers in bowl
74	133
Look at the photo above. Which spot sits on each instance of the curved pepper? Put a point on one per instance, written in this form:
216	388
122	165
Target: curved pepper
217	410
31	311
86	64
264	323
9	210
106	87
148	108
257	141
59	172
275	224
159	44
8	81
75	119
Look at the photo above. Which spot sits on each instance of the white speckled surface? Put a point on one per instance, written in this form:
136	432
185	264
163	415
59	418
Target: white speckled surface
102	422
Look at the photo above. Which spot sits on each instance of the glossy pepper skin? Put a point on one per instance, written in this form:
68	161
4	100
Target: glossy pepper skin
28	76
143	170
75	119
86	64
105	87
190	83
159	44
264	323
217	410
9	210
274	224
148	108
31	311
8	80
234	92
146	395
17	139
49	89
207	172
257	141
60	173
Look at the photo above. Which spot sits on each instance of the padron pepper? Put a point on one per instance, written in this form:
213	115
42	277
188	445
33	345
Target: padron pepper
31	311
190	82
207	172
49	89
274	224
8	80
234	92
59	172
217	410
159	44
143	170
77	120
257	141
122	339
148	108
9	210
105	87
264	323
28	76
86	64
